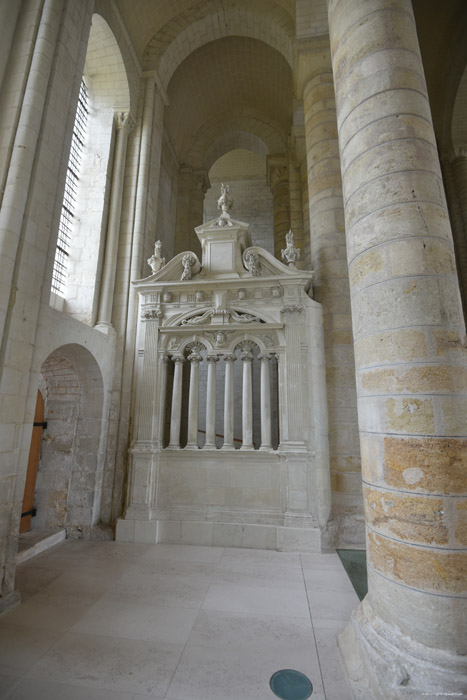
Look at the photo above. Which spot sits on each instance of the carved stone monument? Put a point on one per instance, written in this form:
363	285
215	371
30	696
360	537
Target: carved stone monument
230	369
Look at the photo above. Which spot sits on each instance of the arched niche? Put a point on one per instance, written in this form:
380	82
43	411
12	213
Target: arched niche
69	479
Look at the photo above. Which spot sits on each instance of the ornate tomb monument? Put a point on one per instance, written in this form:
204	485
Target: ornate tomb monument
230	368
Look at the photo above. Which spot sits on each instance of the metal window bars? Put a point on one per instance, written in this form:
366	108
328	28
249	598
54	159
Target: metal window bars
62	252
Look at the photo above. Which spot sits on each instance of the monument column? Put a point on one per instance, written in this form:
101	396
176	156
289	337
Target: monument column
211	404
229	402
176	413
247	398
408	635
266	443
193	398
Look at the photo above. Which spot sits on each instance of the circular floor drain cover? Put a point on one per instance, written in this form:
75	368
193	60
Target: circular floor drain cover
290	685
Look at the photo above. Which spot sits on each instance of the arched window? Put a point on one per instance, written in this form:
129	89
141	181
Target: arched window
65	229
103	106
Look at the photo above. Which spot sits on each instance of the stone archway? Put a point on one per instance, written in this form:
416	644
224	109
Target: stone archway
69	479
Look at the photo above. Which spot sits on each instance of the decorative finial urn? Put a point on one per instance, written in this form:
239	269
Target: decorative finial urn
156	261
290	254
225	203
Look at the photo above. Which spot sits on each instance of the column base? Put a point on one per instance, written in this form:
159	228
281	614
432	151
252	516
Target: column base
250	448
382	663
172	447
209	447
227	448
191	446
265	448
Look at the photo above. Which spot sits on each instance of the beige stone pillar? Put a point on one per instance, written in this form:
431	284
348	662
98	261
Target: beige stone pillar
407	638
278	181
331	283
124	123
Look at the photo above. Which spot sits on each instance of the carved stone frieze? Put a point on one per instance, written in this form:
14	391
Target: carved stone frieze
228	314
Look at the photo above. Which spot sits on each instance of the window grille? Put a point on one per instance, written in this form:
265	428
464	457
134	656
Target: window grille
62	251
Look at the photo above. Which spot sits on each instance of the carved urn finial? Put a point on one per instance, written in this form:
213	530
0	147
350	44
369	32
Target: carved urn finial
290	254
156	261
225	203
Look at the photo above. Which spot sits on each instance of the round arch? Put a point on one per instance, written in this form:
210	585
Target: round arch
192	29
104	71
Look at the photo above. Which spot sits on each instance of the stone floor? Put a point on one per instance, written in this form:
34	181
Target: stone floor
117	621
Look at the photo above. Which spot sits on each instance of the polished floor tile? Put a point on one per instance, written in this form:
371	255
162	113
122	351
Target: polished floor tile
119	621
205	673
109	663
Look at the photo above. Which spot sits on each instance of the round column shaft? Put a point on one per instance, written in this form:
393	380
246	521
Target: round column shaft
211	404
176	413
266	443
193	400
124	123
247	402
406	638
229	403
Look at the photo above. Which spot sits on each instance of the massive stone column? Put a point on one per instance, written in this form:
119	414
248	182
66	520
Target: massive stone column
408	637
331	283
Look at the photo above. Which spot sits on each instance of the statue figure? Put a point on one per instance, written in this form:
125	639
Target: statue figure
156	261
188	261
290	254
252	264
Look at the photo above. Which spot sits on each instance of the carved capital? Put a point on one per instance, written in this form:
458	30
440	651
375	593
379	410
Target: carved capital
213	358
124	121
195	350
229	357
178	359
292	308
264	357
151	314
